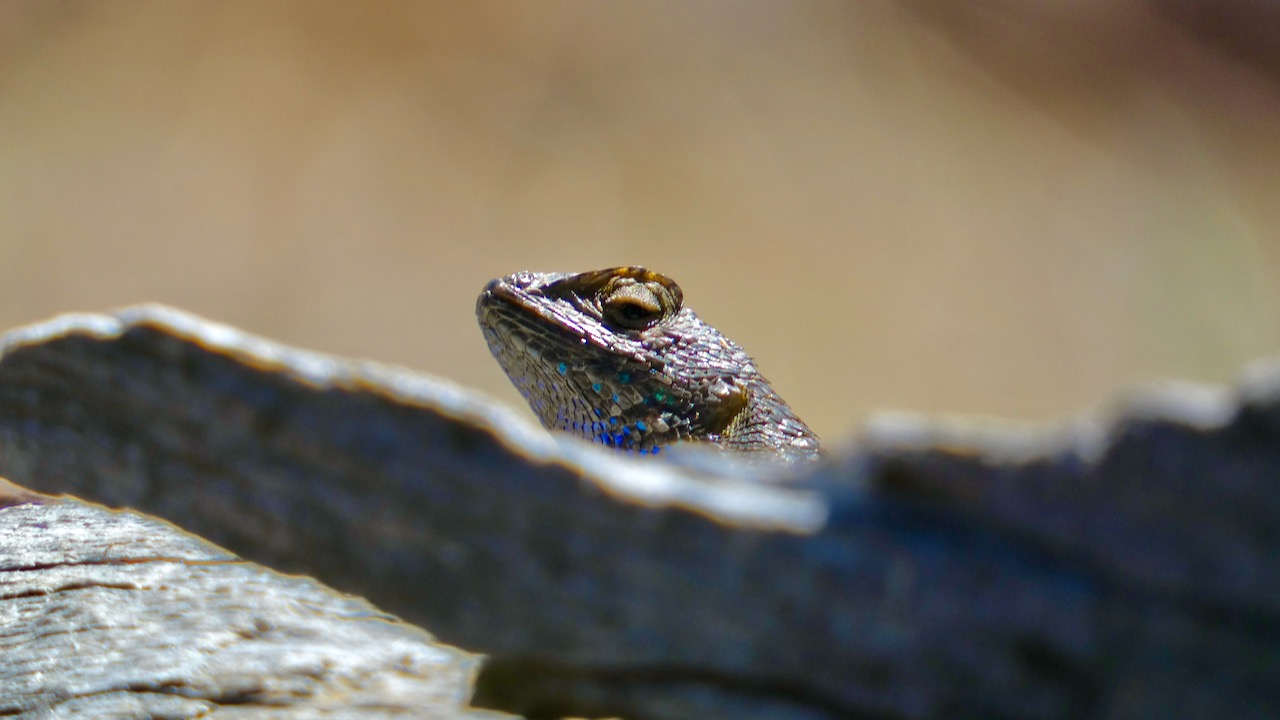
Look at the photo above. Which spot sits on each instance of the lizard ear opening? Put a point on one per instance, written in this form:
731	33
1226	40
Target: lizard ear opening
725	418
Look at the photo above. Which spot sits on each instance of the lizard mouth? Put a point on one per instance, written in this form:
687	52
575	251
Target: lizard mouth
508	307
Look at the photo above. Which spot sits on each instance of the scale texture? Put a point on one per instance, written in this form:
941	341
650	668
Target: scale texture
613	356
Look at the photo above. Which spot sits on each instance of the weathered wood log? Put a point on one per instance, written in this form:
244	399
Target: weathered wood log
112	614
1109	571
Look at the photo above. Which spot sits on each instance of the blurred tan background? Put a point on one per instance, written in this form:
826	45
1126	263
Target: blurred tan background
978	206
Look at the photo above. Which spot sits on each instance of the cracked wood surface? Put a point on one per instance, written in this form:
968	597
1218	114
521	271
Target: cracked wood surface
115	614
1108	570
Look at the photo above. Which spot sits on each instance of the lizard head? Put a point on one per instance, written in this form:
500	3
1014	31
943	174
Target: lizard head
614	356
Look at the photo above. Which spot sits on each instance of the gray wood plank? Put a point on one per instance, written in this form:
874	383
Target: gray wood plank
107	613
1111	568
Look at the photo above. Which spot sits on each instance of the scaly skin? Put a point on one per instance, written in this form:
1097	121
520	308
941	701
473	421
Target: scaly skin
613	356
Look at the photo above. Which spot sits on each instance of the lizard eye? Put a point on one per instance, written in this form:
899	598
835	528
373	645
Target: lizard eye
632	307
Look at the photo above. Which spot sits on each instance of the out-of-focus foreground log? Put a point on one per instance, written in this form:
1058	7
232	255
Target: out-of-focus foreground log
112	614
1105	571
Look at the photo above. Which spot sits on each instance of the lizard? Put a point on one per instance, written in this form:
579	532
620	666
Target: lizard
614	357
